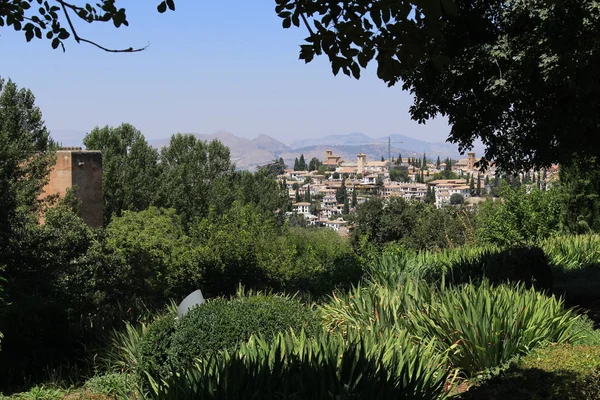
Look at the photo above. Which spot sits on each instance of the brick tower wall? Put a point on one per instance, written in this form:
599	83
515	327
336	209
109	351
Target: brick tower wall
86	167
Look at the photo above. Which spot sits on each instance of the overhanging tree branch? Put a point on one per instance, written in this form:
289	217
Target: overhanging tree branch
79	39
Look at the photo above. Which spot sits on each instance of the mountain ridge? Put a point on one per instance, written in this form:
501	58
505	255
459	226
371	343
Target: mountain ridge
251	153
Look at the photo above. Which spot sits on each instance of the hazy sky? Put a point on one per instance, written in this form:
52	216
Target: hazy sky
211	65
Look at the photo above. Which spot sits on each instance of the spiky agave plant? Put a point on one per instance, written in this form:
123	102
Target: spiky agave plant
123	353
375	307
572	252
489	325
294	366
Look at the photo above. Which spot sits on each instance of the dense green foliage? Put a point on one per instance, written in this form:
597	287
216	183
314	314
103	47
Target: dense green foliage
416	225
294	365
220	324
519	218
483	325
183	218
224	324
580	187
130	169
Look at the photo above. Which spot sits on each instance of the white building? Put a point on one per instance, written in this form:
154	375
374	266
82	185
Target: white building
445	188
302	208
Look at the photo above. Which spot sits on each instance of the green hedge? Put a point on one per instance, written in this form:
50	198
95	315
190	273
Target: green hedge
221	324
155	347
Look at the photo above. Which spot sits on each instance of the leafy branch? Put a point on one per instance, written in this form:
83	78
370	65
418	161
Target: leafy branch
47	21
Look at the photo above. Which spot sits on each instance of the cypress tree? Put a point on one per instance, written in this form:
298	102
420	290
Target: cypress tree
307	194
478	185
302	163
354	200
438	163
296	165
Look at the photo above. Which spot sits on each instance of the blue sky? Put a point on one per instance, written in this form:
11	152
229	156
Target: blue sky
211	65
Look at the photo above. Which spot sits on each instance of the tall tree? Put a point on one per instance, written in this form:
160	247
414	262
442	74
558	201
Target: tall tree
341	193
307	194
519	75
314	164
580	189
131	171
274	168
438	163
190	167
399	160
354	198
302	163
478	185
424	162
25	159
296	165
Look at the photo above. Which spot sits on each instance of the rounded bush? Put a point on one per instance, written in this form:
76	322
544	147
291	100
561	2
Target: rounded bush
224	324
154	349
528	265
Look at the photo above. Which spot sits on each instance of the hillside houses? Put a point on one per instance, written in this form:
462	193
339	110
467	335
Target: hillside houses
445	188
319	195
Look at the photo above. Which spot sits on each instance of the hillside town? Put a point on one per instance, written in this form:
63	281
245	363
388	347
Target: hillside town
324	192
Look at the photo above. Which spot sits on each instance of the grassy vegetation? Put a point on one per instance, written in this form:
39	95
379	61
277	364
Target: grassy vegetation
419	325
562	372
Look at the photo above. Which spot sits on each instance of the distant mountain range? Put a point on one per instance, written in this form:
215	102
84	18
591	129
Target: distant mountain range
251	153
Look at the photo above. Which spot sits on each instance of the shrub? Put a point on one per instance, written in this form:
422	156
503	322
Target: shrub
217	325
123	354
490	325
111	384
356	365
224	324
583	328
154	348
41	393
485	325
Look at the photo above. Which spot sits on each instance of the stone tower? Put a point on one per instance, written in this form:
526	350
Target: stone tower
361	161
470	161
83	169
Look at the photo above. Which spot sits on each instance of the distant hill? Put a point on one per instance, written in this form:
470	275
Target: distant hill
245	153
251	153
332	140
266	142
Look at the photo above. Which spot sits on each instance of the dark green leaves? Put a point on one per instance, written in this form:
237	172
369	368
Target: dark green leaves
49	19
398	35
162	6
